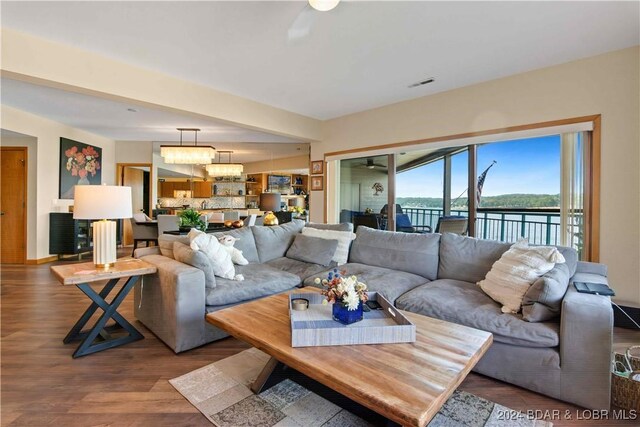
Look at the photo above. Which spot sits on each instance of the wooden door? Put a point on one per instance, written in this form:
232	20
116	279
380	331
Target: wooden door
13	202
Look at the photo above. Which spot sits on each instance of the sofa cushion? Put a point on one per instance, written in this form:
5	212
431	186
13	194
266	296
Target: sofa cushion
245	242
299	268
466	258
464	303
260	280
543	299
197	259
517	269
165	242
344	238
343	226
390	283
273	241
220	258
408	252
312	249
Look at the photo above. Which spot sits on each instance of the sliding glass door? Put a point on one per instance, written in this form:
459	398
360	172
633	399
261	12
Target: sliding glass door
533	188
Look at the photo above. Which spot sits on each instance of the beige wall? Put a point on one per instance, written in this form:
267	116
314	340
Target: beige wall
285	164
134	151
32	177
48	133
607	84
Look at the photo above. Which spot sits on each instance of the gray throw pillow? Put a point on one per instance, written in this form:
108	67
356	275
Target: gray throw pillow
184	254
343	226
314	250
543	300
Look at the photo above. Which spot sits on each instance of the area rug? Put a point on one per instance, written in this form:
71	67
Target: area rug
221	392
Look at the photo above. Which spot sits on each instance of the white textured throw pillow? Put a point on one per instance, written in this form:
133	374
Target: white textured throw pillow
213	249
512	275
344	239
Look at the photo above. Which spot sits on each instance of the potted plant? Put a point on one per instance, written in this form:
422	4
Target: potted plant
190	218
346	294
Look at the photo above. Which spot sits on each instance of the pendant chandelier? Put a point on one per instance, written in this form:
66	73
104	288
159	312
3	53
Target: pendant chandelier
225	169
188	154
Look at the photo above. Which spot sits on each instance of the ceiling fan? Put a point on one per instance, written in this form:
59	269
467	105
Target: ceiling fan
301	26
372	165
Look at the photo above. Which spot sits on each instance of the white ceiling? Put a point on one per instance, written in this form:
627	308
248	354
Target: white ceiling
358	56
113	120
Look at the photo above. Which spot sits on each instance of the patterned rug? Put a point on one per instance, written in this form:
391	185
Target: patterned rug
221	392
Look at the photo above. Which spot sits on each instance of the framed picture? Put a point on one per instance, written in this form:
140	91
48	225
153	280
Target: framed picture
80	164
279	184
316	167
317	183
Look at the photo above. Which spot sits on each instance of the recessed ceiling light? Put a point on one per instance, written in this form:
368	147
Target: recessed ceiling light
423	82
133	110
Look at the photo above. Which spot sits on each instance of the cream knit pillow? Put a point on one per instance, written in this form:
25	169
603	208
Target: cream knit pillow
512	275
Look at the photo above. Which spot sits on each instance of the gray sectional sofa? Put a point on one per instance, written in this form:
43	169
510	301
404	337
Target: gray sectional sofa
565	357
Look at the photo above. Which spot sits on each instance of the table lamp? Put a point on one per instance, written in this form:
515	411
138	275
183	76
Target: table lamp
104	203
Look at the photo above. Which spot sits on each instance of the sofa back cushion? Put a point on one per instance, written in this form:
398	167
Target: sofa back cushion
409	252
466	258
165	242
273	241
343	226
245	243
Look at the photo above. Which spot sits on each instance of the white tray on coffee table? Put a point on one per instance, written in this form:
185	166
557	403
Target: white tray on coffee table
316	327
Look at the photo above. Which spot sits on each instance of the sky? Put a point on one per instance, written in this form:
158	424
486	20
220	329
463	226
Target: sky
529	166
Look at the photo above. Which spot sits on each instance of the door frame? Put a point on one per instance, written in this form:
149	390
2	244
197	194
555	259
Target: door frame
121	166
25	150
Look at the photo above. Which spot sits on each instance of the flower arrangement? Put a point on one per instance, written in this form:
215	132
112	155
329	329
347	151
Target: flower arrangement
191	218
297	209
84	162
342	289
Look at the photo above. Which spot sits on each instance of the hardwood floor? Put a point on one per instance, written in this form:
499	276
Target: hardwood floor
127	386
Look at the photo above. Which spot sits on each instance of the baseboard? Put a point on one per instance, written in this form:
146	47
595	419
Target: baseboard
622	321
41	260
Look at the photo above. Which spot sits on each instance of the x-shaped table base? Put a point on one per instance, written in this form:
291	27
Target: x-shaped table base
106	340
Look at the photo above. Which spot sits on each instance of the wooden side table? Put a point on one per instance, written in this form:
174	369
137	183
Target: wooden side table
81	274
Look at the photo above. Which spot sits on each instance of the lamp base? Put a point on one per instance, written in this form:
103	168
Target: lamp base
104	244
104	266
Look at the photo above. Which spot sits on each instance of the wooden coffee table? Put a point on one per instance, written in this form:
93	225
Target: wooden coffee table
406	383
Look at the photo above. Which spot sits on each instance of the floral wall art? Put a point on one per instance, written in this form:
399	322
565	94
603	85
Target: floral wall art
79	165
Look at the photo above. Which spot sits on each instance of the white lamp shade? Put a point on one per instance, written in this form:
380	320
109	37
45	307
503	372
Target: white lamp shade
102	202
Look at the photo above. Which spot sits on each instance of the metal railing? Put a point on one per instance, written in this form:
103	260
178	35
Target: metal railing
538	226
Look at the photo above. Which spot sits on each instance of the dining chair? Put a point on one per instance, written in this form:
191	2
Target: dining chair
452	224
216	217
231	215
143	233
168	223
251	220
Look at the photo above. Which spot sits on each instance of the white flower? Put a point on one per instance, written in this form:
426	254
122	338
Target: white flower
317	281
352	300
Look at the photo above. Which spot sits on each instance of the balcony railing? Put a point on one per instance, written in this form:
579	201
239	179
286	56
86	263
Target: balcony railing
538	226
